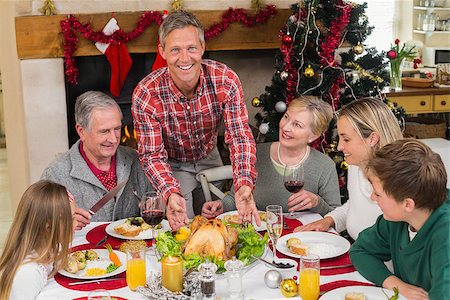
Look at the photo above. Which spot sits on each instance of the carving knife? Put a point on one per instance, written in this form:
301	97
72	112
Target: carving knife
108	196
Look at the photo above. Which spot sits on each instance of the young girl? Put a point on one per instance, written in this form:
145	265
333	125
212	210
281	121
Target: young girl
37	245
363	126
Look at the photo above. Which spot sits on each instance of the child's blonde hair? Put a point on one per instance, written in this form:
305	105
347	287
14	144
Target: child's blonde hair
42	225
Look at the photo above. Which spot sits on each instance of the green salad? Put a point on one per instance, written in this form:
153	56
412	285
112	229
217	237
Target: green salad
249	243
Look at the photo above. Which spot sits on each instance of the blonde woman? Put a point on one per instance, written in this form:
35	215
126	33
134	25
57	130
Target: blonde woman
363	126
37	245
305	120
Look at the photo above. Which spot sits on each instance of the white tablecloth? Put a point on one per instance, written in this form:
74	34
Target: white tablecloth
253	280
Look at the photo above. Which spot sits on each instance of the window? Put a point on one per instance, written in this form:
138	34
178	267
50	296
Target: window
384	16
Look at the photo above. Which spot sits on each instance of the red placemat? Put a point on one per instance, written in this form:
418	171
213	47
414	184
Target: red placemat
344	259
112	298
98	233
342	283
292	224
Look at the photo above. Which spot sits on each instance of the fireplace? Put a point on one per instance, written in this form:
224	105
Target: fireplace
95	75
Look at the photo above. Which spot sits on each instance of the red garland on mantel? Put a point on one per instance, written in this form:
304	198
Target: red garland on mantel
72	25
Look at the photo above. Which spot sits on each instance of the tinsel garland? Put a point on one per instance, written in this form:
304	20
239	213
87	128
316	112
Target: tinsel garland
364	73
72	25
330	44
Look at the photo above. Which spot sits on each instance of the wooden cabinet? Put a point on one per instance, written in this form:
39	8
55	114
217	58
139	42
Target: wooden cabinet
421	101
441	103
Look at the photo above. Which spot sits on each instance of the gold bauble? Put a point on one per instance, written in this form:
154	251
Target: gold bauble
289	288
358	48
309	72
344	165
256	102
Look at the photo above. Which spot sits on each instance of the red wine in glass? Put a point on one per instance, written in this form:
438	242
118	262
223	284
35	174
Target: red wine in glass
152	217
293	186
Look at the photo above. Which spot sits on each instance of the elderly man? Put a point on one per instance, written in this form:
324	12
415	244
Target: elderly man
96	163
177	112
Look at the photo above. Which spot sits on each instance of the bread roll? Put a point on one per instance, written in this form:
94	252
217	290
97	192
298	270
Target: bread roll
355	296
127	229
296	246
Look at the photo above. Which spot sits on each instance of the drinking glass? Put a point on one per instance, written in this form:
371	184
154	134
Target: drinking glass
99	295
152	208
309	277
274	220
294	179
136	267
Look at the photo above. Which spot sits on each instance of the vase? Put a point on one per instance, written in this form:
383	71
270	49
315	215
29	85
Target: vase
396	76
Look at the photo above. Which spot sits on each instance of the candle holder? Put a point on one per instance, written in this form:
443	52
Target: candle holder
172	273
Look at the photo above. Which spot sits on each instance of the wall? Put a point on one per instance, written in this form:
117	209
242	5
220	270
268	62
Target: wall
29	86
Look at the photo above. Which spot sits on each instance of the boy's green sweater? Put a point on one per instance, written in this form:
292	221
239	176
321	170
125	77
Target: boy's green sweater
423	262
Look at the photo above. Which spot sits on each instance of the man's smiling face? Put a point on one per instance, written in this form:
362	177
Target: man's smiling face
183	52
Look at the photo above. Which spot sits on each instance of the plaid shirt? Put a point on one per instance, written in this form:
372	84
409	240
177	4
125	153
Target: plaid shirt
170	126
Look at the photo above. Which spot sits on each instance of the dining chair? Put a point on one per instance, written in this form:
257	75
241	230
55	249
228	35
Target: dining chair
207	178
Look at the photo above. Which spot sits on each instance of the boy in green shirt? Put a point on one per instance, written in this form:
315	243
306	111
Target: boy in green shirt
409	185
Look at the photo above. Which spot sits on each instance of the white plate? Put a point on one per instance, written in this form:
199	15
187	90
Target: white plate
324	244
103	254
143	235
371	293
235	212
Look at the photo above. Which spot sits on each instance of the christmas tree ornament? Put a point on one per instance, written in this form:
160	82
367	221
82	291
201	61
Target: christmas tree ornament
272	279
289	288
118	58
48	8
264	128
280	106
287	39
358	48
256	102
284	75
309	72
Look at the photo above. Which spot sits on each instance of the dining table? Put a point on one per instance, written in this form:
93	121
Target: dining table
253	283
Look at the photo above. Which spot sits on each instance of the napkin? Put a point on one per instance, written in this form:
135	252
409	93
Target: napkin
341	283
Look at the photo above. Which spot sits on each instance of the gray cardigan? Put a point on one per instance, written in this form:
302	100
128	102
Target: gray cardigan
71	170
320	178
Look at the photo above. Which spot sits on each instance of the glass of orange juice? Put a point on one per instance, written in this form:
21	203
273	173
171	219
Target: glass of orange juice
309	277
136	268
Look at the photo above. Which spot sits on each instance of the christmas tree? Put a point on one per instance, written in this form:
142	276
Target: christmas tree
307	62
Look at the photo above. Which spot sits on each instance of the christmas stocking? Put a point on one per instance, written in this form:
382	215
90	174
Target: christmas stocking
159	60
118	57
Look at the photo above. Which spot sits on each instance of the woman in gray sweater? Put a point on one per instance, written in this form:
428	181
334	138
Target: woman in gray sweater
305	120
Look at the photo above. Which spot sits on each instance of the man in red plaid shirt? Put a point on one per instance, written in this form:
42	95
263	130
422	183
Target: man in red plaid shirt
177	112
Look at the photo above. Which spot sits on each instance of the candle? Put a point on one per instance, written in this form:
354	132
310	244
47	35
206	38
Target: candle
172	273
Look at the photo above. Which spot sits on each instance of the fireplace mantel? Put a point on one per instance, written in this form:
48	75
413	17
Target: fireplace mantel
41	37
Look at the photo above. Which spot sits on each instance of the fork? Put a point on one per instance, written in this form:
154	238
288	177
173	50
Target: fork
102	241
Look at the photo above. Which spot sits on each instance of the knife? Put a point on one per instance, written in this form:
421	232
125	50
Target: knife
336	267
95	280
108	196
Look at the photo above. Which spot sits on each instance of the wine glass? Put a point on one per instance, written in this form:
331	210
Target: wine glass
294	179
274	220
152	208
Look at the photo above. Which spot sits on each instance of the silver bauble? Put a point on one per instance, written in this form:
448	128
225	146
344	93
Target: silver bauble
284	75
280	107
264	128
273	279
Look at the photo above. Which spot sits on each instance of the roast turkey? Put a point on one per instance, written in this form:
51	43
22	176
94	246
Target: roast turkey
211	238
